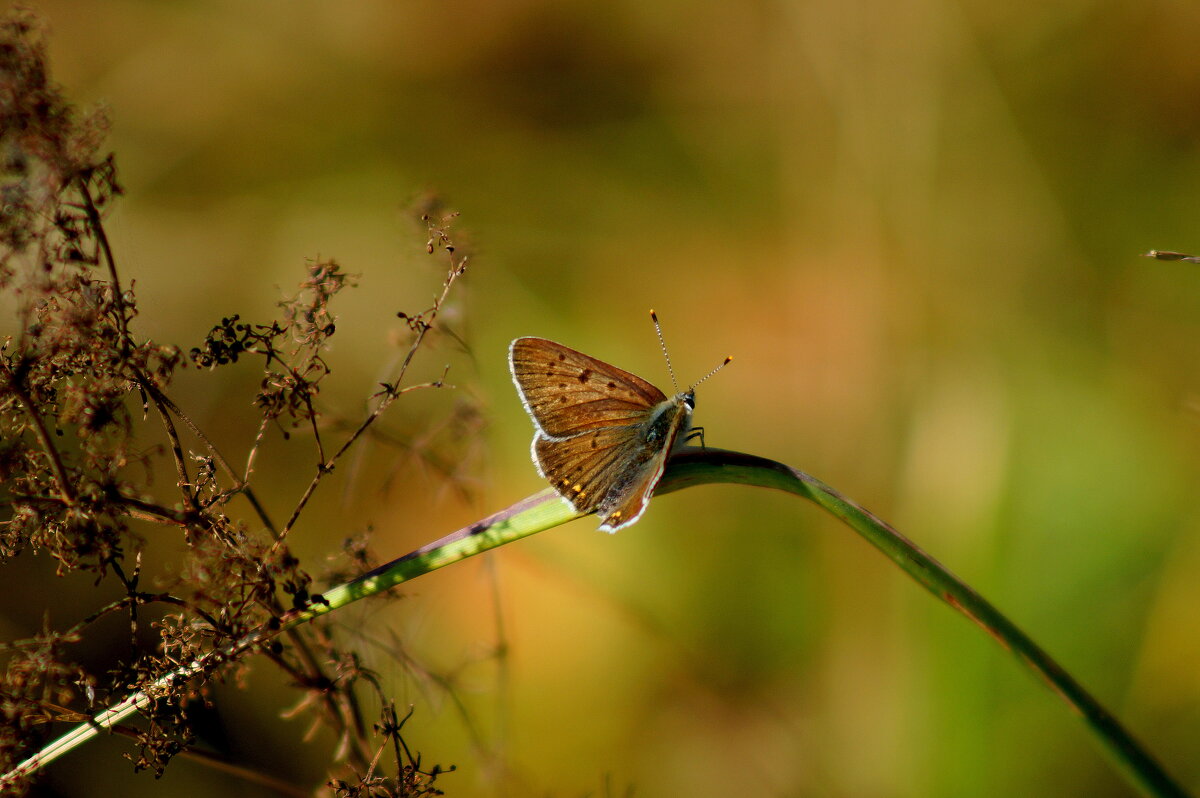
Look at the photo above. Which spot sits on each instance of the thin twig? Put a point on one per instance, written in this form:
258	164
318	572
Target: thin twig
254	447
156	398
390	393
134	508
218	764
65	487
161	400
240	486
93	216
163	404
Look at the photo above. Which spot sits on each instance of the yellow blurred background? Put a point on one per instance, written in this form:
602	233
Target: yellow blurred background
915	225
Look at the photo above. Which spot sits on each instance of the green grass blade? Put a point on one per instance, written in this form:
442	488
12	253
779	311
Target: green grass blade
692	467
710	466
539	512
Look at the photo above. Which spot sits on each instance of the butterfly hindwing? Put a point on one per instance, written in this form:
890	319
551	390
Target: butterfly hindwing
623	508
612	470
567	392
588	468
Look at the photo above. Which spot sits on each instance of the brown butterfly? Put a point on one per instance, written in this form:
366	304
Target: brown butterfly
602	435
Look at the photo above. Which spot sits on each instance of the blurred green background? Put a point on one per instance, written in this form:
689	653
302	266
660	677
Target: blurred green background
915	224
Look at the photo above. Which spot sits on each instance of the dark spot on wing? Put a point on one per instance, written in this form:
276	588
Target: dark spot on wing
561	356
562	399
562	385
583	375
612	384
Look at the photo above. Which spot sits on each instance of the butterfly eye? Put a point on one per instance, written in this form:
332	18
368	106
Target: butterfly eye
690	399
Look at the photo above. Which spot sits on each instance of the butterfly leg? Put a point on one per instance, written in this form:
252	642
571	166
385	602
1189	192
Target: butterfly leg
695	432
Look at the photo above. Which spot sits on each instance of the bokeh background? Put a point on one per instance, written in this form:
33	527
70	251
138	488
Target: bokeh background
915	224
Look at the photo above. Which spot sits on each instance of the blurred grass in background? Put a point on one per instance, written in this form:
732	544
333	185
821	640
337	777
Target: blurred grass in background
914	224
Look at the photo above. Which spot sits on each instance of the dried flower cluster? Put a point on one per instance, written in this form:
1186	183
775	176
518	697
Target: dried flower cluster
86	419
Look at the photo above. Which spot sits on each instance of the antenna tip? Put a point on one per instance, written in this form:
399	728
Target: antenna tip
728	360
653	315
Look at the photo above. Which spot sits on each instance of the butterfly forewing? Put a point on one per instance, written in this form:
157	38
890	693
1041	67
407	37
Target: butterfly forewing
568	392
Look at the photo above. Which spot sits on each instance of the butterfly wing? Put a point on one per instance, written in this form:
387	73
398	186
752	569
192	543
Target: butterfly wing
610	471
603	434
626	506
587	468
567	392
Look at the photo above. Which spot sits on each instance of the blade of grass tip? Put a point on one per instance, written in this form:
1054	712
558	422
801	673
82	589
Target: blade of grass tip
709	466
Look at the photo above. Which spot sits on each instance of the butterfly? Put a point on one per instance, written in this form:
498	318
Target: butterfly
602	435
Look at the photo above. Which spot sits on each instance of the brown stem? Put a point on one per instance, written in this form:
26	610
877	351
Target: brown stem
93	216
134	508
239	484
65	488
390	394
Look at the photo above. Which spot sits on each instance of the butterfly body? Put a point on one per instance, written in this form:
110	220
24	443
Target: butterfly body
602	435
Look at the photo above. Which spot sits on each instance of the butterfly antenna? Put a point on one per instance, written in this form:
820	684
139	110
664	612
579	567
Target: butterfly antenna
663	344
724	363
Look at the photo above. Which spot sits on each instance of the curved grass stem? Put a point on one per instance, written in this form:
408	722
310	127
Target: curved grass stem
707	466
687	468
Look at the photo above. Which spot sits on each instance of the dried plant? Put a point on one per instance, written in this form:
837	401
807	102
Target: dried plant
84	401
81	395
